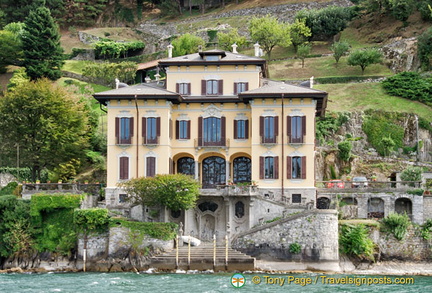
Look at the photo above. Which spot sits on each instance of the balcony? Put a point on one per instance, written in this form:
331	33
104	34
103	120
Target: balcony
269	140
238	190
201	143
150	141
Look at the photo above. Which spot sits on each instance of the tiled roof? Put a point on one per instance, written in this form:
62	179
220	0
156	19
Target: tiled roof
277	87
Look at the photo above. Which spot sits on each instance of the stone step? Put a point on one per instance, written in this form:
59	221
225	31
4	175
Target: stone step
201	258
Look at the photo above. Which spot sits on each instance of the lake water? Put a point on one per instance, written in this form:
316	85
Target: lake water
158	283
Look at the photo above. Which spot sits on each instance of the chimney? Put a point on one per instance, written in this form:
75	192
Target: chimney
257	50
117	82
234	48
170	48
311	81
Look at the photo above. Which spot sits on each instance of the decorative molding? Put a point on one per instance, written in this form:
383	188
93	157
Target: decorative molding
212	111
296	112
296	153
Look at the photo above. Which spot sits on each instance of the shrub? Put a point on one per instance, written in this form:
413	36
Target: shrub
354	240
295	248
424	46
411	174
397	224
409	85
345	150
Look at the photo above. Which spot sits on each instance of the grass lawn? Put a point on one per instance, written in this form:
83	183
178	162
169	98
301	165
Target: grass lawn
322	67
75	66
362	96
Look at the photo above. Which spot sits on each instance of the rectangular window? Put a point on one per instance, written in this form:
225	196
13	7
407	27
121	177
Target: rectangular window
211	131
124	168
150	166
124	130
183	129
296	167
269	167
184	88
296	198
296	128
241	129
240	87
268	129
211	87
151	130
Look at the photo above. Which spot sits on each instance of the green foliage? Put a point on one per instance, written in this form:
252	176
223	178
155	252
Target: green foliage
187	44
48	202
93	220
303	51
111	49
49	123
10	50
423	7
424	48
329	124
43	55
106	73
19	77
409	85
426	230
354	240
339	49
8	189
66	171
294	248
396	224
226	40
401	9
345	150
364	58
388	145
299	33
273	220
175	191
16	232
378	125
23	174
269	32
411	174
164	231
417	191
327	22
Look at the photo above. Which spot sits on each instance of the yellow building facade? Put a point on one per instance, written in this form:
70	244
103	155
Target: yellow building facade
249	141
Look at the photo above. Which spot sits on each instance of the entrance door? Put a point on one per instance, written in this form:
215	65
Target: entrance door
213	172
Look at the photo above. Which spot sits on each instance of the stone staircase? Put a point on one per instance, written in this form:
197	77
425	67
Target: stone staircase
201	258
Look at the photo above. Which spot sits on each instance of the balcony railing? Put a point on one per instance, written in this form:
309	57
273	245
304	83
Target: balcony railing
370	186
150	141
269	140
201	142
245	190
32	188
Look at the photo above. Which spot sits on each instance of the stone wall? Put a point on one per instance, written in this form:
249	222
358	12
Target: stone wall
316	231
412	248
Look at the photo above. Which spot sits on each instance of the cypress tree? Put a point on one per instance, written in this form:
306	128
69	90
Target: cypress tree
41	45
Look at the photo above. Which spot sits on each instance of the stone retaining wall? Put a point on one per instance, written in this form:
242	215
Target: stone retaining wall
315	231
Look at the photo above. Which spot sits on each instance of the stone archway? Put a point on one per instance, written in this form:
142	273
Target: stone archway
323	203
376	208
403	205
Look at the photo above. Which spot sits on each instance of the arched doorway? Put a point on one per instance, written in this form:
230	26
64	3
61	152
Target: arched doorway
213	172
242	170
186	166
375	208
403	205
323	203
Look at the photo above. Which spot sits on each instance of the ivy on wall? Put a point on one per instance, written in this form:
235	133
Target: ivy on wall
164	231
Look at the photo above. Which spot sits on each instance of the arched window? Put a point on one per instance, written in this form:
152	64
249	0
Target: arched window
186	166
242	169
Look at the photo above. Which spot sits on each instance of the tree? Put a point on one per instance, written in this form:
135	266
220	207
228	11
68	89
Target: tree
187	44
106	73
41	45
226	40
424	46
10	50
174	191
269	32
327	22
48	123
299	33
364	58
401	9
303	51
339	49
411	174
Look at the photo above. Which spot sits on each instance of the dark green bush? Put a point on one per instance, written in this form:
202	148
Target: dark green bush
295	248
397	224
409	85
354	240
345	150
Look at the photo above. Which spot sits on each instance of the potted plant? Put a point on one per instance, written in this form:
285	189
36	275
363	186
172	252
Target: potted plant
374	178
